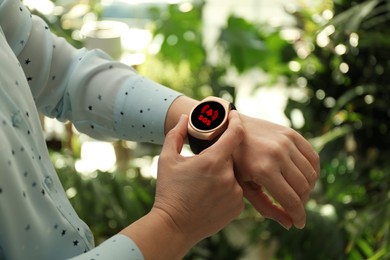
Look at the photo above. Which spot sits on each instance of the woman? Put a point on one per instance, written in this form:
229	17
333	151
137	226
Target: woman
108	100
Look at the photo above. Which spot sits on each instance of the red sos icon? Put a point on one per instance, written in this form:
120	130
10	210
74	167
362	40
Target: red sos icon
208	115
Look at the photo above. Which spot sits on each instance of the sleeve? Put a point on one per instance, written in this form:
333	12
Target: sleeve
118	247
102	97
37	220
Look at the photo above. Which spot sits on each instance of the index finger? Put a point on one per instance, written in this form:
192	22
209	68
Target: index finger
175	138
230	139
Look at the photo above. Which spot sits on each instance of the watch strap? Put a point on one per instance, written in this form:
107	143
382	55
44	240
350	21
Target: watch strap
198	145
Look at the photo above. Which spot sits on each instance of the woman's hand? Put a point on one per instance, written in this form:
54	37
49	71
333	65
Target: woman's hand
282	162
195	196
200	194
271	158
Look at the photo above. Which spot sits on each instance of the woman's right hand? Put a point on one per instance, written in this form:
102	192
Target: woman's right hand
195	196
199	194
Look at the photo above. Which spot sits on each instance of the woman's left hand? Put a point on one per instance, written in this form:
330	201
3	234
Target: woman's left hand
278	160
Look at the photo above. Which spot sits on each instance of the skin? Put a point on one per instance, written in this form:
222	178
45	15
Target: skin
195	196
270	158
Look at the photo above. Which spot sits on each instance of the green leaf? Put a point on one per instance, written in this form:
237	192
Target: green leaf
365	247
349	21
248	45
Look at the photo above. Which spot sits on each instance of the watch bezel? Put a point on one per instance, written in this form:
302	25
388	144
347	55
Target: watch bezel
214	132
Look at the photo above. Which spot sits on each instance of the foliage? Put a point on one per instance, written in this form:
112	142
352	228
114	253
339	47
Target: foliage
182	50
250	45
182	34
346	105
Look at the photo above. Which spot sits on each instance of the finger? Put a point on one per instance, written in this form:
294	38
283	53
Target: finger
288	199
304	166
175	138
230	139
307	150
263	204
296	179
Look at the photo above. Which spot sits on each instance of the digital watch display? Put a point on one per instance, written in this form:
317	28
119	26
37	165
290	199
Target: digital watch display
208	116
208	120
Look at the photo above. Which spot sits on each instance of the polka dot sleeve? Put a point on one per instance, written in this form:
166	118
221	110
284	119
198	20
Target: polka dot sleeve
37	220
103	98
108	250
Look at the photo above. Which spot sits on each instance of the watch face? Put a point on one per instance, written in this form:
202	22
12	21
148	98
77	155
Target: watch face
208	115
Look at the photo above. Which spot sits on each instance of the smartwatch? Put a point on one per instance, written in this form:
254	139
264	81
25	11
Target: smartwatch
207	121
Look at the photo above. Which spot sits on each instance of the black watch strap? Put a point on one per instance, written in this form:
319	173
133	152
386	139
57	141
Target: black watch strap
198	145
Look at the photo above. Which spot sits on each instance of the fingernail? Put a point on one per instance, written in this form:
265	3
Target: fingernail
301	226
286	227
182	117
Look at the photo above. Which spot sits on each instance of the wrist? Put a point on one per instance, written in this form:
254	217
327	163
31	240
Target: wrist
176	235
181	105
158	237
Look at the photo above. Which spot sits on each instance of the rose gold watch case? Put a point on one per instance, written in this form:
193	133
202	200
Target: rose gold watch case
215	132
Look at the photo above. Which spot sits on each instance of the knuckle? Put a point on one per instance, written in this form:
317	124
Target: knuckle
275	149
290	133
316	157
294	205
239	131
265	173
171	133
279	147
210	162
313	177
287	138
238	191
305	189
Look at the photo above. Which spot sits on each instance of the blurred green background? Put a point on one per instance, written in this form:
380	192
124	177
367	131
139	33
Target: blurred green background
333	61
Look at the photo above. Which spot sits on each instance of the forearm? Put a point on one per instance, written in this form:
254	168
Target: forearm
158	237
103	98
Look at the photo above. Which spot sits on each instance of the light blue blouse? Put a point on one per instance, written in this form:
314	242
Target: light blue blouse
103	98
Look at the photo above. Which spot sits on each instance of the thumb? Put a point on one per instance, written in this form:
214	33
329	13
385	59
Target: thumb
231	138
175	138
